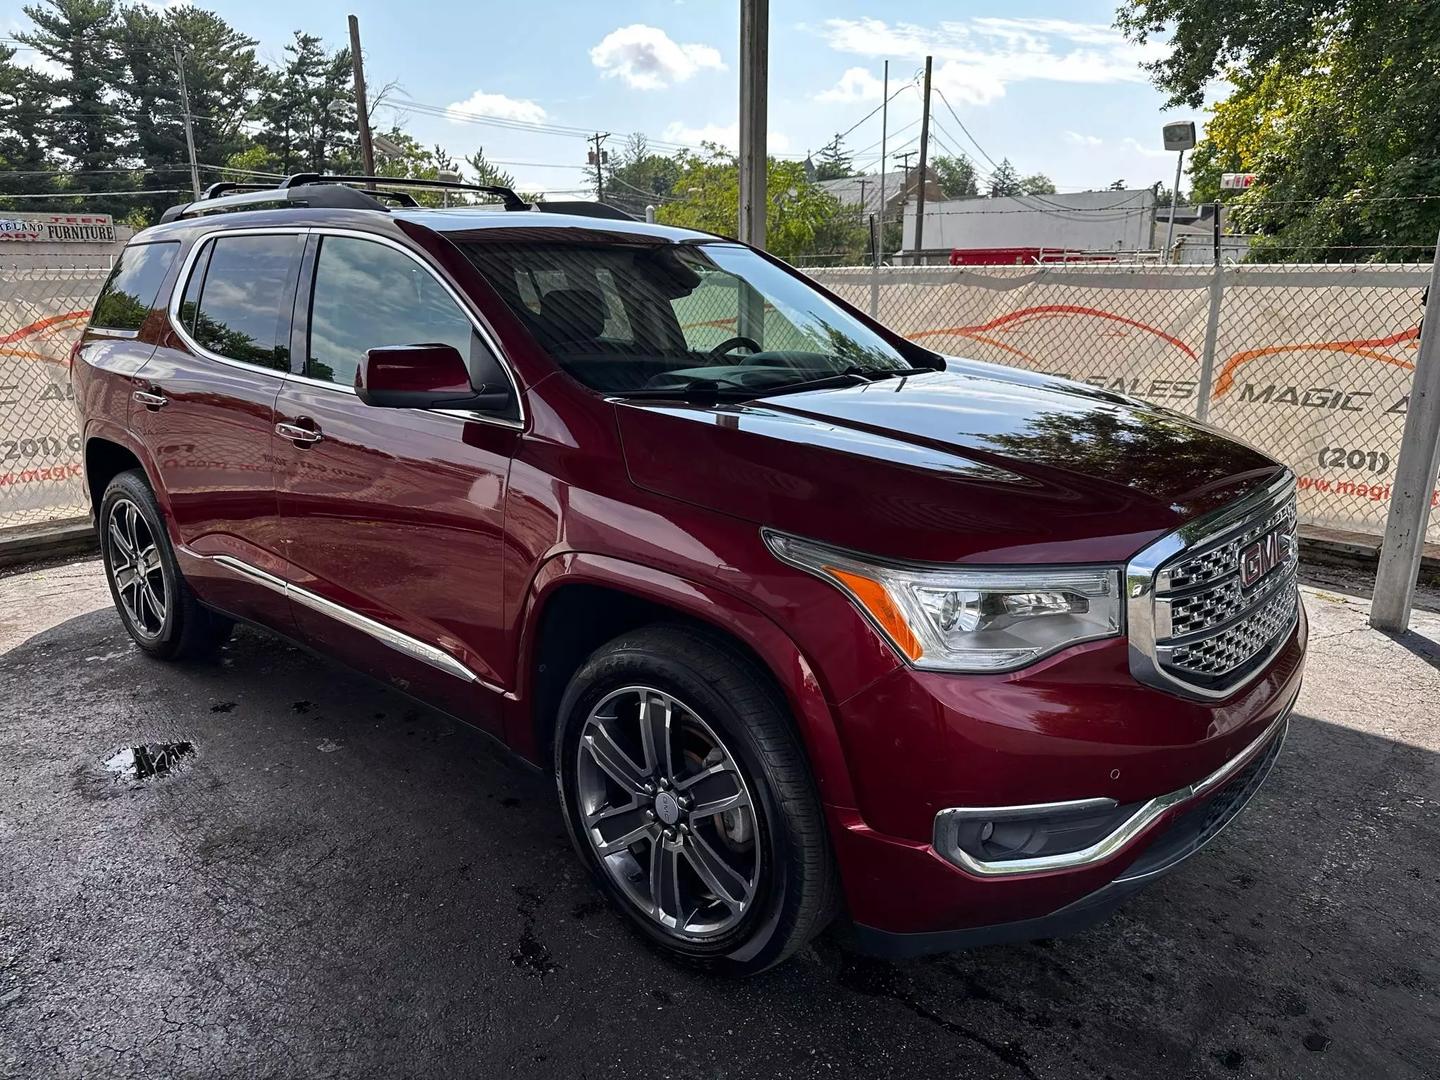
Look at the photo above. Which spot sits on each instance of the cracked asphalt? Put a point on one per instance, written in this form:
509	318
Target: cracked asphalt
336	882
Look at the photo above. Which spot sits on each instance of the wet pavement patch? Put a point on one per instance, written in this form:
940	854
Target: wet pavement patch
531	955
147	761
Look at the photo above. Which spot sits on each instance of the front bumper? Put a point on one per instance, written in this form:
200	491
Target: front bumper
1192	821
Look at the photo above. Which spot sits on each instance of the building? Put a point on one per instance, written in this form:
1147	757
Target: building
863	192
1099	222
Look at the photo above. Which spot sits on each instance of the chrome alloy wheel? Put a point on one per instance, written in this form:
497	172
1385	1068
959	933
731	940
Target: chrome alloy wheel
134	559
668	812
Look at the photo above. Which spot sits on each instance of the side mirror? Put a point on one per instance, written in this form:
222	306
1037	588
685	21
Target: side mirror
422	377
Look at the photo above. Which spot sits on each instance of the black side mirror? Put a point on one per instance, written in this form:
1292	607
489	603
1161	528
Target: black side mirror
424	377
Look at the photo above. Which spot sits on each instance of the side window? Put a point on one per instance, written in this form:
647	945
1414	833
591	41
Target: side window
368	295
238	300
133	285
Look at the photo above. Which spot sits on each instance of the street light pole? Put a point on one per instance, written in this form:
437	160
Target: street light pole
1174	199
362	111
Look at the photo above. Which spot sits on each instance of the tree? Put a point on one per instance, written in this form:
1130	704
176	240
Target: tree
800	218
1336	109
1005	181
222	76
87	130
833	162
1037	184
300	127
637	178
24	116
486	173
956	176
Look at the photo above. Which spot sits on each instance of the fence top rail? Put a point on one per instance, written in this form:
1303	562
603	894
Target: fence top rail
1130	276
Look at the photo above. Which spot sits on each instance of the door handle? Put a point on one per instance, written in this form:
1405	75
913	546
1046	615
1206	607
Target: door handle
298	433
150	399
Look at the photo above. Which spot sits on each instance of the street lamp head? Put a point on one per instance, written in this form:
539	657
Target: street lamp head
338	107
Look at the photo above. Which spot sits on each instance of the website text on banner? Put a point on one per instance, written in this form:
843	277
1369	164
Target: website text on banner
1312	364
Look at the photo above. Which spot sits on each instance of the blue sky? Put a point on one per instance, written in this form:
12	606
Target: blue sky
1047	83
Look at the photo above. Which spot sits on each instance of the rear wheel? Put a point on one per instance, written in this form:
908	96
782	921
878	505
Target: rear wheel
687	793
157	606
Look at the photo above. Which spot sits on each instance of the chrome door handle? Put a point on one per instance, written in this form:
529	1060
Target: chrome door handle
297	434
150	400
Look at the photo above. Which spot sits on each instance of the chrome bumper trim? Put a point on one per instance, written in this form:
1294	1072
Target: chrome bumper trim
947	821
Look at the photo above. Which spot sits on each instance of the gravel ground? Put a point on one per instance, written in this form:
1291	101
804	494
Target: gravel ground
335	882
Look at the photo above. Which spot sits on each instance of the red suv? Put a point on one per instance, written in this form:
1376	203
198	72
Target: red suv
806	619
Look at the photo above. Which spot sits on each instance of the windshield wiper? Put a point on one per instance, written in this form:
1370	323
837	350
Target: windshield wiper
844	377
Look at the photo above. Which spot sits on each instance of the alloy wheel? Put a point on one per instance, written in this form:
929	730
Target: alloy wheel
136	569
668	812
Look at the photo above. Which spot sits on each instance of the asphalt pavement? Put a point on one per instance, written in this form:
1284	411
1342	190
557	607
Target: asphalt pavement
302	874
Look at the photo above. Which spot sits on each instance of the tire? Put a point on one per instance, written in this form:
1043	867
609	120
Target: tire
157	607
651	839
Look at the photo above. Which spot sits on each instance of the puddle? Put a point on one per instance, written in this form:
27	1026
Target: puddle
150	760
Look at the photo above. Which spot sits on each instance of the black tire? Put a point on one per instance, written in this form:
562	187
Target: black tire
168	623
794	886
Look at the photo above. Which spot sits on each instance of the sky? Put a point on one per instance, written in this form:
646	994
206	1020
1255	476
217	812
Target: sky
1046	83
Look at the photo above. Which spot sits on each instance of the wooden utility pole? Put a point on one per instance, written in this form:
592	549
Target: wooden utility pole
362	109
599	158
189	129
754	89
924	147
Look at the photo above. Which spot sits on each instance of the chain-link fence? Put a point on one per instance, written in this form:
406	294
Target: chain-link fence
1311	364
44	302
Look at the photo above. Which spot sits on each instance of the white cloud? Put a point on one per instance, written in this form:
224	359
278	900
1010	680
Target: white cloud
857	84
727	135
507	108
979	57
648	59
1136	146
1077	139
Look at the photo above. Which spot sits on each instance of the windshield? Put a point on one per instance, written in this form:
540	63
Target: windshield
629	318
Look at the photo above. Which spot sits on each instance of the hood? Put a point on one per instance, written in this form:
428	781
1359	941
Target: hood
976	463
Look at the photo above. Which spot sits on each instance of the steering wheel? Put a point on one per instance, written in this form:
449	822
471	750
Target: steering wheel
734	342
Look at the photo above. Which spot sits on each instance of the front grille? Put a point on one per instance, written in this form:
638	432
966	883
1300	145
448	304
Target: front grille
1202	626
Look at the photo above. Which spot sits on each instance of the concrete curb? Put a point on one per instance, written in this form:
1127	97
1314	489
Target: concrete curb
50	540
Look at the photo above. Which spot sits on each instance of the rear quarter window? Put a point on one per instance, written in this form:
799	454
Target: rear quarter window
133	286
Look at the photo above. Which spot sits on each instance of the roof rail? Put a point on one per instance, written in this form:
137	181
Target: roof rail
338	192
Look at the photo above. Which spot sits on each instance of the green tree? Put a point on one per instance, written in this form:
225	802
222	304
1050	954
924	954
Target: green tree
799	217
638	178
956	176
24	117
87	128
1336	109
1037	184
303	128
1005	181
486	173
834	162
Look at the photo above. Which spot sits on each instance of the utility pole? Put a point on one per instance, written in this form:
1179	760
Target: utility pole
754	91
884	129
597	156
362	109
189	130
924	145
904	189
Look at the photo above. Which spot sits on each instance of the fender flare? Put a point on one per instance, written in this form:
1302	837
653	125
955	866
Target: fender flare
714	607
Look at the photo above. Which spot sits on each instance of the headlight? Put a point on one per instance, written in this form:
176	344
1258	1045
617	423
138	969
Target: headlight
967	620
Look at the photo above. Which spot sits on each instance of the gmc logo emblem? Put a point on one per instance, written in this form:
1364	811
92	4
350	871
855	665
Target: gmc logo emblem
1260	558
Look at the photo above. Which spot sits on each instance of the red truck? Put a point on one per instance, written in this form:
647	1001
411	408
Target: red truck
809	622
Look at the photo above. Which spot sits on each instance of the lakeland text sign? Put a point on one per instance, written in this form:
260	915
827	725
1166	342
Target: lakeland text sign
58	228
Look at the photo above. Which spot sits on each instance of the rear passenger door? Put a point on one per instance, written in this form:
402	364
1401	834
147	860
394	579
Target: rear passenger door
205	410
394	518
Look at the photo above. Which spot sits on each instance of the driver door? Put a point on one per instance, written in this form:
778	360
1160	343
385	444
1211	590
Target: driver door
393	517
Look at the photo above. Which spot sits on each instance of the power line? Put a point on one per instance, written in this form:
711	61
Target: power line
94	194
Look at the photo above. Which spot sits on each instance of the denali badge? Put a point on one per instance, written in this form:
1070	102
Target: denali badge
1259	558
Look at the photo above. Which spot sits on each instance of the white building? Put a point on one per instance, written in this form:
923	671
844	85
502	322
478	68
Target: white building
1090	221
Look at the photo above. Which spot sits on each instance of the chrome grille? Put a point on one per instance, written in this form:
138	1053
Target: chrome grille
1195	624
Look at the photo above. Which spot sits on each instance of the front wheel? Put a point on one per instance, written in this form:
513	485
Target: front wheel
686	792
159	610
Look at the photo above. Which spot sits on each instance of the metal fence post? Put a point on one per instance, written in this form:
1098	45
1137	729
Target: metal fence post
1415	475
1212	334
874	269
